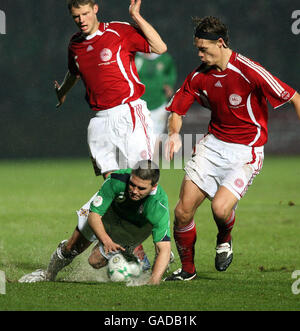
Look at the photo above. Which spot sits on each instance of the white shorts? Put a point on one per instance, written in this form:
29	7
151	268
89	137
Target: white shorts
217	163
159	117
119	137
83	225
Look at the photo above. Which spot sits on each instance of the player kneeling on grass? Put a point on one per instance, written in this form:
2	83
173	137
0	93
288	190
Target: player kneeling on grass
129	207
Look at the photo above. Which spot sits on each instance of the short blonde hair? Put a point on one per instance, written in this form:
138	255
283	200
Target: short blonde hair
78	3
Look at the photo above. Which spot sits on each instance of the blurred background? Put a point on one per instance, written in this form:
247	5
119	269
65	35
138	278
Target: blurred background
33	54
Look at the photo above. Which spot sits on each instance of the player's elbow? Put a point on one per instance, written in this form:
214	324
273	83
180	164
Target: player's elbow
295	101
164	49
161	49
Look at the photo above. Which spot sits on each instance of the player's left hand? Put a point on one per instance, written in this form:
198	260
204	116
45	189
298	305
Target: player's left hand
172	145
134	8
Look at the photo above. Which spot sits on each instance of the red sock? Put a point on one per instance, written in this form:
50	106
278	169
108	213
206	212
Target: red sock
225	229
139	252
185	239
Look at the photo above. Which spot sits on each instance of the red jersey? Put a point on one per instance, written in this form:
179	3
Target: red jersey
105	63
237	98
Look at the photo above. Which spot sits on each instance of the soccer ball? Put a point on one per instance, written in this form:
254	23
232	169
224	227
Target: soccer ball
120	270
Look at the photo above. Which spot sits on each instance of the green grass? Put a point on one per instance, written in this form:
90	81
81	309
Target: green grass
38	200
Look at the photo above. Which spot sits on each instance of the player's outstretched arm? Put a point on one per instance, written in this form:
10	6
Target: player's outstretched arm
173	143
296	103
62	90
95	222
156	43
161	262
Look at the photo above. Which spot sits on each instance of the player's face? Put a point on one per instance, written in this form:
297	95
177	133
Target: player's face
139	188
85	17
209	51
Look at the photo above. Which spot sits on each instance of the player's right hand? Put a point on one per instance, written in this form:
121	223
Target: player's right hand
110	247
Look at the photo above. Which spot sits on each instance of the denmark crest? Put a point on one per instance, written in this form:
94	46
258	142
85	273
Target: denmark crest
235	99
105	54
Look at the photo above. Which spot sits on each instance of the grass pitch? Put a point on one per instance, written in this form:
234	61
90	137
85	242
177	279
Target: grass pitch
38	201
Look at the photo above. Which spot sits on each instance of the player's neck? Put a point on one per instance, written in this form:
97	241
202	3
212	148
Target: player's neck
95	29
222	64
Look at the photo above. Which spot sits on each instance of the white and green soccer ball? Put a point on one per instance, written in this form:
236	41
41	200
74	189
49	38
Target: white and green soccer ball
120	270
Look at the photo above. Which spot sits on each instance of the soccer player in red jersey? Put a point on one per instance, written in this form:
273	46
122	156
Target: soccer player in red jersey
230	155
102	56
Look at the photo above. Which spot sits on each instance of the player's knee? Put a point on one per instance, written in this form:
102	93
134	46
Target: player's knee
96	261
96	264
220	212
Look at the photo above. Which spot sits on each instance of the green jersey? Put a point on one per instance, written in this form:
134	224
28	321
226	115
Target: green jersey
150	213
155	74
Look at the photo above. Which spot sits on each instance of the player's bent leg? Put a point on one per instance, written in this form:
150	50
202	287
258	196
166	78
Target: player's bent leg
223	203
77	243
185	230
96	259
65	253
223	208
142	256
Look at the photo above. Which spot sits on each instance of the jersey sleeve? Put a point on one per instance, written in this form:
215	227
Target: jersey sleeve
134	40
159	217
185	96
273	89
277	92
73	69
104	198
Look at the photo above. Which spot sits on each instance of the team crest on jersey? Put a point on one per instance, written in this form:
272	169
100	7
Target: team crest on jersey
97	202
141	209
106	54
121	197
160	66
235	99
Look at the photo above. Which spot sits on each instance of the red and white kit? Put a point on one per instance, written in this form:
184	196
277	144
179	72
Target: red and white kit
105	63
237	98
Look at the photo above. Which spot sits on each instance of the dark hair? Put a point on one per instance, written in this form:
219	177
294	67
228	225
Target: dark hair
211	25
78	3
147	170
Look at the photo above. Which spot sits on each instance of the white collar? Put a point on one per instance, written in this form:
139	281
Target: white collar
154	191
91	36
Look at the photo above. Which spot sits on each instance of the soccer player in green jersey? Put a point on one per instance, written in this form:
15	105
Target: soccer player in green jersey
129	207
159	74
